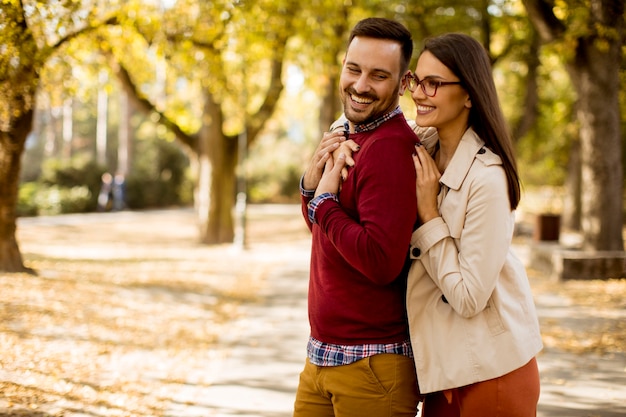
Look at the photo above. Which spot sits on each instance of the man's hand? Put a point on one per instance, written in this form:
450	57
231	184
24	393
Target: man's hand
329	143
331	179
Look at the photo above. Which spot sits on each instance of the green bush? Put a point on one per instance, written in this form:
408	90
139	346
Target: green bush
26	200
273	170
159	177
61	200
81	171
41	199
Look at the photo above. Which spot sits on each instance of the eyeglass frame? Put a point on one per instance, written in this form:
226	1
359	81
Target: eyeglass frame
412	77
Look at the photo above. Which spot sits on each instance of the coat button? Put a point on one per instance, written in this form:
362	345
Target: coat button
416	252
482	151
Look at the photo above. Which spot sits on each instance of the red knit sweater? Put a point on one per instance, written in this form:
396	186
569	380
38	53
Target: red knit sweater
357	281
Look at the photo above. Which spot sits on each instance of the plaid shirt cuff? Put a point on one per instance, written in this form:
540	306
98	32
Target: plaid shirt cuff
317	201
305	193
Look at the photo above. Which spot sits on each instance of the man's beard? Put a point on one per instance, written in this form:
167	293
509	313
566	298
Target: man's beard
362	116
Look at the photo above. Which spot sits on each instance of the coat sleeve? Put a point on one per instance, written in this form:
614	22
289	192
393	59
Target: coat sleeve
466	266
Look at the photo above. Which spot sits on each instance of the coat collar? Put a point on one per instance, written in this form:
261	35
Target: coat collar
470	147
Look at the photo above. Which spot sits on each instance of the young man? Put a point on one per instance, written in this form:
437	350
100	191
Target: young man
359	355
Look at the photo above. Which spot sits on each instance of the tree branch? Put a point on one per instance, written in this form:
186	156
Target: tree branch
49	50
540	13
257	121
146	106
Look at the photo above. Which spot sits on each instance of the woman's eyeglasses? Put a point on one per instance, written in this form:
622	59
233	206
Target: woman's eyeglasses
429	86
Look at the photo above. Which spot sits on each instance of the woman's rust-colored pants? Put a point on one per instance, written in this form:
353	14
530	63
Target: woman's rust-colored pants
515	394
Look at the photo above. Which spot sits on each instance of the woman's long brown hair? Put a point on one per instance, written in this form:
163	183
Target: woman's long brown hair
469	61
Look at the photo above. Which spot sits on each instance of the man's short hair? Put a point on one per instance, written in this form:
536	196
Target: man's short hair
382	28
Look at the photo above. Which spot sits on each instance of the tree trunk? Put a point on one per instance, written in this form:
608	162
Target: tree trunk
572	215
215	153
102	120
11	147
595	74
215	188
68	129
214	164
594	71
18	86
531	100
125	135
602	175
331	104
19	93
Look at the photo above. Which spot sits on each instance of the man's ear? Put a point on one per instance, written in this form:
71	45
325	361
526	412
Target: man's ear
403	88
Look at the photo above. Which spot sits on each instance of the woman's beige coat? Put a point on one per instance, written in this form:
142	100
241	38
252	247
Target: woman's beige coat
470	307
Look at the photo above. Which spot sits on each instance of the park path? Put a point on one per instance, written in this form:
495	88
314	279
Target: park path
257	356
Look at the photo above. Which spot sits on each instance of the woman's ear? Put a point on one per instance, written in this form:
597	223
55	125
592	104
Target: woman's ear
468	102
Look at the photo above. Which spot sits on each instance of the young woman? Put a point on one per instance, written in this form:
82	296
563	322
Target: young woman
474	328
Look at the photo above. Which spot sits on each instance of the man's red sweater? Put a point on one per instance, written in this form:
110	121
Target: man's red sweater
357	281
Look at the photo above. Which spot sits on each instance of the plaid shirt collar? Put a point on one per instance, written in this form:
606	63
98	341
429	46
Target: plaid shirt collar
375	123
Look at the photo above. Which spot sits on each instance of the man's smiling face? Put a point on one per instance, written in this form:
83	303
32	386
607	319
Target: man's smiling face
370	79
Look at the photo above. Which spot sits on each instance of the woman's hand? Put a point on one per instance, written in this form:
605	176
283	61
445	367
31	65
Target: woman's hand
347	148
427	184
329	143
331	179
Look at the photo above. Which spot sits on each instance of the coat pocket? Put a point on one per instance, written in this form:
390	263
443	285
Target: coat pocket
494	321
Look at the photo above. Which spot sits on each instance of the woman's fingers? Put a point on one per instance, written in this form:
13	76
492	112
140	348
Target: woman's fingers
338	165
427	184
425	164
418	159
347	148
331	179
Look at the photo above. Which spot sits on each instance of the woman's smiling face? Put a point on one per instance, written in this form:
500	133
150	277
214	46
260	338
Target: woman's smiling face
451	104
